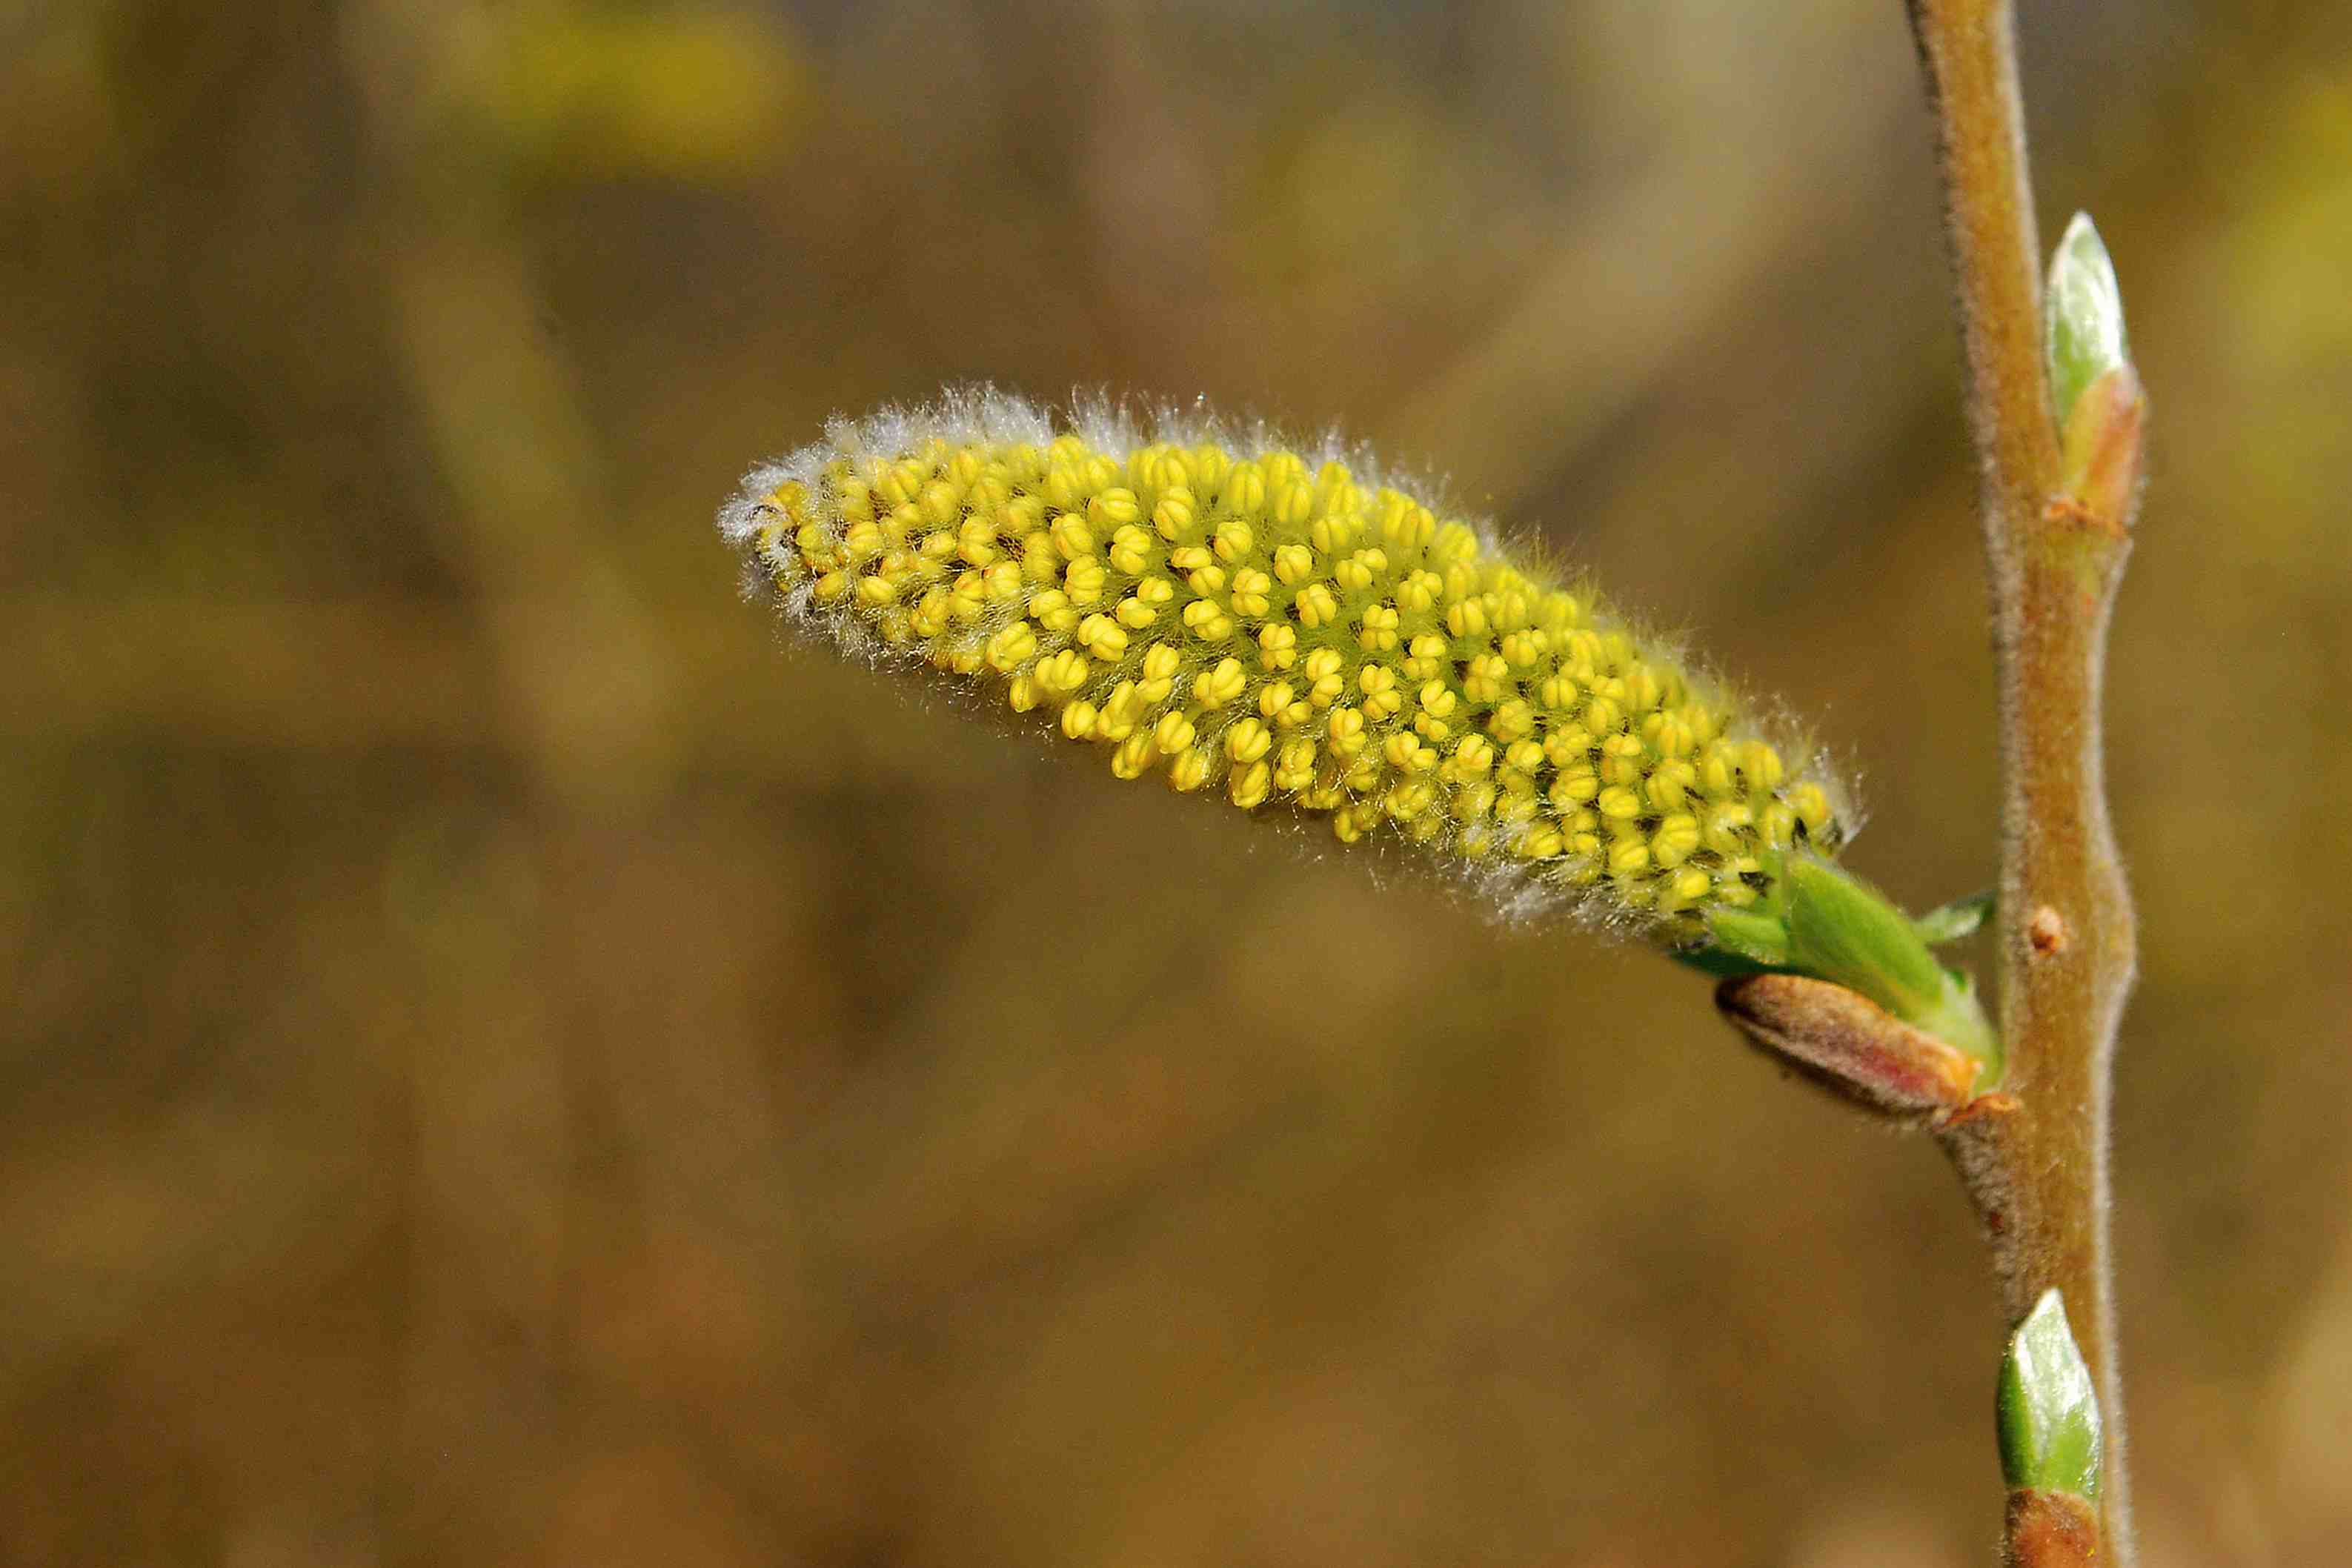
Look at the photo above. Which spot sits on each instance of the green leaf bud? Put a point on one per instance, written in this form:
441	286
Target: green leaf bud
2047	1413
2083	317
1299	634
1950	922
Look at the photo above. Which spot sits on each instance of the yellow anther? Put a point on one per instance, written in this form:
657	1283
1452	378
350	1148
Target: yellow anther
1512	719
976	542
1062	672
1670	734
1004	582
1277	646
1669	783
929	617
1293	767
1676	839
1619	802
1249	595
1812	804
876	591
1376	629
1316	606
1404	752
1293	565
1344	733
1290	504
1121	710
1358	571
1161	661
1215	687
1135	613
1408	798
1205	620
1173	733
855	497
1051	608
1628	857
1078	720
1021	693
1759	764
1727	826
1113	509
1130	549
970	597
1473	755
1176	516
1247	741
1134	756
1425	658
942	503
1211	464
1488	679
1718	764
1243	490
1335	532
1084	582
1190	768
1102	636
1418	593
1250	786
1072	537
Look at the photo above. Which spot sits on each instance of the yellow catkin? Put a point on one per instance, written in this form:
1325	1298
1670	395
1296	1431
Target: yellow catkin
1281	633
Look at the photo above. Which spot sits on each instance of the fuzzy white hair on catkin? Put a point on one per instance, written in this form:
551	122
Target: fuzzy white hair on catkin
1509	892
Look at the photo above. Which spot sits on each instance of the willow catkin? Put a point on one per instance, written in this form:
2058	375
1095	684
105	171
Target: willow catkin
1293	634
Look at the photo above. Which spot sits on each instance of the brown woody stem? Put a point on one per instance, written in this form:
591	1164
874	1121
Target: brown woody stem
2049	1529
2066	960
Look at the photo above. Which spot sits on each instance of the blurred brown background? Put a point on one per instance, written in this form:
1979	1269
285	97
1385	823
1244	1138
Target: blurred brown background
487	1077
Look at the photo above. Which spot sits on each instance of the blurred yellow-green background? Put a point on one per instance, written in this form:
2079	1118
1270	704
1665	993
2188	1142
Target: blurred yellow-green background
505	1061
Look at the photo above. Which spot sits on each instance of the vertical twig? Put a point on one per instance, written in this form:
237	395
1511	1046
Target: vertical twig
2065	941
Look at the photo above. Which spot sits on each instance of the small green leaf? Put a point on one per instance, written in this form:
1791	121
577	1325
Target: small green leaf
2083	317
2047	1413
1956	920
1842	930
1721	963
1759	939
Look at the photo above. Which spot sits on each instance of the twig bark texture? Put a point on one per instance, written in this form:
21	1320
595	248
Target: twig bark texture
2066	936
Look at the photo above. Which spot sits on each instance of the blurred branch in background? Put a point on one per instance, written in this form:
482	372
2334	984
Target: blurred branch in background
490	1074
